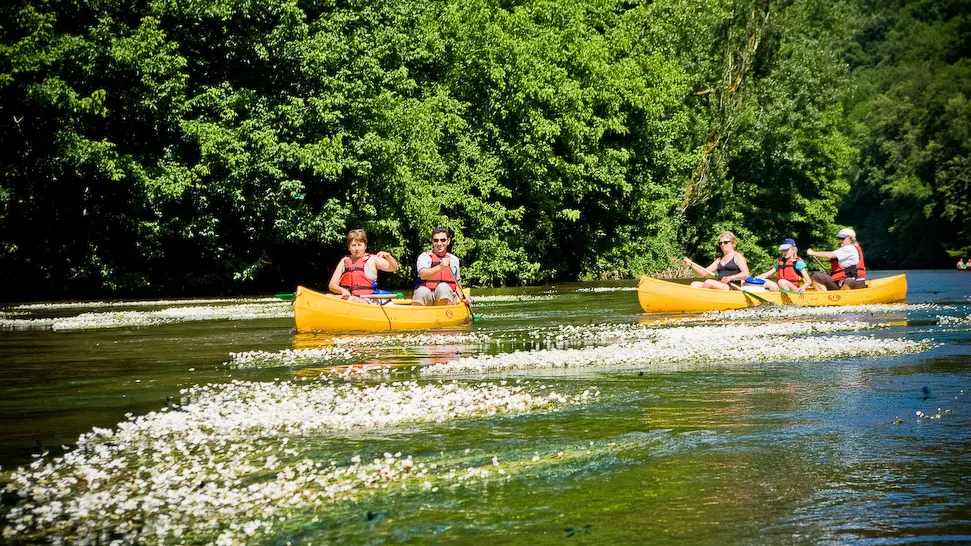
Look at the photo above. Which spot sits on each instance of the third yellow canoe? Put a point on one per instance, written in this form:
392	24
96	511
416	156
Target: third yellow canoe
657	296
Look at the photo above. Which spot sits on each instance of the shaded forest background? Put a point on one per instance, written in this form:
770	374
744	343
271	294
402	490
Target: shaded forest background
186	147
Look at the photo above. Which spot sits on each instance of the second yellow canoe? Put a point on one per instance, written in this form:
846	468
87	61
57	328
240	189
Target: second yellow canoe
657	296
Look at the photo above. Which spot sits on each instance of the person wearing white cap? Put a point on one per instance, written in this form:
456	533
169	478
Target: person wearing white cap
847	268
790	270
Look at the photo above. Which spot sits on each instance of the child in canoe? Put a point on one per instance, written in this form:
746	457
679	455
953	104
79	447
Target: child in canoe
790	270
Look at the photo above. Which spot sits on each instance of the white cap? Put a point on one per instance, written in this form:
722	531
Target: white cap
785	247
846	232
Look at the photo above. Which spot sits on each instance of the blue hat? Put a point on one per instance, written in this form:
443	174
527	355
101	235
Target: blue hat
787	243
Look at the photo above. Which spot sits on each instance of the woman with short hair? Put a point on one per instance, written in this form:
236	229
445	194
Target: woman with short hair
356	275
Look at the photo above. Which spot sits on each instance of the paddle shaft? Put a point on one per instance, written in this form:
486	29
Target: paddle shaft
821	266
754	295
381	296
458	286
710	274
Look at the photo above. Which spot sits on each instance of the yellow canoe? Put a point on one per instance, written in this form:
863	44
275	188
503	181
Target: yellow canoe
657	296
314	311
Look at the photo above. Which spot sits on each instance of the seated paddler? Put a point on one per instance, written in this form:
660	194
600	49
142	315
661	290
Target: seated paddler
356	275
790	270
438	273
730	267
847	268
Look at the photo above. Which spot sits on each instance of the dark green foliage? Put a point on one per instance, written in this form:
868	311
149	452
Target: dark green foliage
911	120
227	146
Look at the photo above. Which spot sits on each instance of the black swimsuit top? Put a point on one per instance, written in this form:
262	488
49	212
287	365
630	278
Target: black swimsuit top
727	270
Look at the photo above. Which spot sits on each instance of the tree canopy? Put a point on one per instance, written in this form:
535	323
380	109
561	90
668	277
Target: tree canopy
911	122
227	146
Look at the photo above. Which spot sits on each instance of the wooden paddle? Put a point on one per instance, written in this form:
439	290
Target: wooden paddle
290	296
821	266
710	274
753	294
382	296
458	286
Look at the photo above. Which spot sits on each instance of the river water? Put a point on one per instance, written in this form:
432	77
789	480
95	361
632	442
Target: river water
566	414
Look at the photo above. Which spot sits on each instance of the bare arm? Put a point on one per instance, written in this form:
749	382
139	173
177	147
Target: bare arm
426	273
808	280
335	280
743	266
766	274
700	270
385	262
817	254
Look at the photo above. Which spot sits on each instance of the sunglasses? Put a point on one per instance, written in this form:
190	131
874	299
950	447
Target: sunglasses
720	243
440	240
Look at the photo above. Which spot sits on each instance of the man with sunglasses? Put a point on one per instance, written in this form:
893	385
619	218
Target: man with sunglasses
438	273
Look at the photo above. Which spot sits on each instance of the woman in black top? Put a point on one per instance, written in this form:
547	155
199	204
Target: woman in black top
730	267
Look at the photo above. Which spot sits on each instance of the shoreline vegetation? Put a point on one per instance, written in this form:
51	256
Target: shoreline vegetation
164	149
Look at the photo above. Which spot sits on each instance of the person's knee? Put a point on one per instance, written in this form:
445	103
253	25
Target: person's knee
444	295
423	296
717	285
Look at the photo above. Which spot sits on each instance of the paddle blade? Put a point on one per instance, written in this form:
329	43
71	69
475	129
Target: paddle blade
285	297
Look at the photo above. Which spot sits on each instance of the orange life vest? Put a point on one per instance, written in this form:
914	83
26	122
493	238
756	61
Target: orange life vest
857	271
443	276
354	278
787	270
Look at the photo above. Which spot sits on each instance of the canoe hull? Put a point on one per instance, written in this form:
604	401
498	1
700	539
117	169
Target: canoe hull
657	296
317	312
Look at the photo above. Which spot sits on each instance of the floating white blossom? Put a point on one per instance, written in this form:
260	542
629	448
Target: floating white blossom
608	289
794	311
52	306
511	298
951	320
289	357
696	348
411	339
225	466
614	332
127	319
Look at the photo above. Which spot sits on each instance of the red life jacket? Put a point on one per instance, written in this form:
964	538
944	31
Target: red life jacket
443	276
354	278
857	271
787	270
